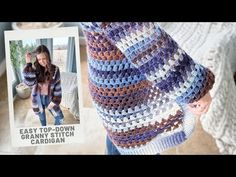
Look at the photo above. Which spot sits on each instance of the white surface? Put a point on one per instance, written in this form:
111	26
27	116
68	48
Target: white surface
70	97
94	138
213	45
35	25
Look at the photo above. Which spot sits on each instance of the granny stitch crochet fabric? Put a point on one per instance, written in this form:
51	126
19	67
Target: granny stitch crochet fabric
140	81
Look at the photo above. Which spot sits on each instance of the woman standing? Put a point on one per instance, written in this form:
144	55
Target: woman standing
44	79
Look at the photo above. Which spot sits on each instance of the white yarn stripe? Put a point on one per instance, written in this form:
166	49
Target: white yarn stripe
135	37
125	126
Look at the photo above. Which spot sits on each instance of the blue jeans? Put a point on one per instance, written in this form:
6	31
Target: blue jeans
42	116
111	148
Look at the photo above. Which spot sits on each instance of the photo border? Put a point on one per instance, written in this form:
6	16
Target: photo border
41	34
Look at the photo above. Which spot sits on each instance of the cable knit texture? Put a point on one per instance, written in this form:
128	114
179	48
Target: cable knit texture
140	81
213	45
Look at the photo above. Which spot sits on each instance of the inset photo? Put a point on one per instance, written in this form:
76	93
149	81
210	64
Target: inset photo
44	86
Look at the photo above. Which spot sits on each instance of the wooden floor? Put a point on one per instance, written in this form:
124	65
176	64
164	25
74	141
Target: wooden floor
23	106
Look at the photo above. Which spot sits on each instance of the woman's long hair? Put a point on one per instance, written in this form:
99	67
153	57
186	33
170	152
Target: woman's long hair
41	75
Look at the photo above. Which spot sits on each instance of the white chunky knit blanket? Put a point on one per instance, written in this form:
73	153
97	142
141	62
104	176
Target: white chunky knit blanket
214	46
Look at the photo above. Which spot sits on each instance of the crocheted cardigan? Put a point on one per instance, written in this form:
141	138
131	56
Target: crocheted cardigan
140	81
54	89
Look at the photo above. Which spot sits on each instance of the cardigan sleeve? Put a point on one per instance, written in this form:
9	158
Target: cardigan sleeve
57	91
29	75
159	57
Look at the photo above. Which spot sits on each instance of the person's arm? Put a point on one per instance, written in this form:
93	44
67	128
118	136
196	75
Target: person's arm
155	53
29	72
57	92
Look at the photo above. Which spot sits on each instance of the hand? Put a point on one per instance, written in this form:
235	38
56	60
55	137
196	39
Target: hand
47	68
50	106
201	106
28	57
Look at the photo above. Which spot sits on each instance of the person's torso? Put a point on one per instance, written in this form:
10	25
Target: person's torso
43	88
